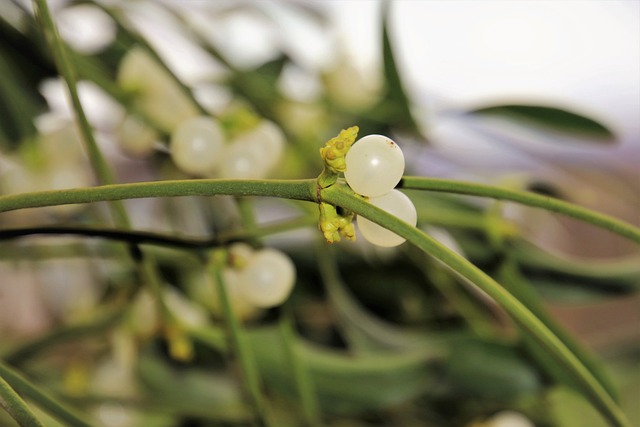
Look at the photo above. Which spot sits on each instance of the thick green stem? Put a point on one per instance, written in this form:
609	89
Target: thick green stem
341	196
68	72
250	372
44	400
16	407
146	266
526	198
290	189
299	368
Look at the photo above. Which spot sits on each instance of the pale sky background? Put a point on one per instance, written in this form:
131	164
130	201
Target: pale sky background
580	52
582	55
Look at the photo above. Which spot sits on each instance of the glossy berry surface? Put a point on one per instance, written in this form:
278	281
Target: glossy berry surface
397	204
136	138
374	165
197	146
255	153
267	279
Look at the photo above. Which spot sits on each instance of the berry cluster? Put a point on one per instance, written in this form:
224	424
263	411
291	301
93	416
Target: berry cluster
374	166
198	144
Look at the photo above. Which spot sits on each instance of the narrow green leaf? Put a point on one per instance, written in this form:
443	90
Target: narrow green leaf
346	383
396	104
41	398
515	283
489	370
237	335
551	119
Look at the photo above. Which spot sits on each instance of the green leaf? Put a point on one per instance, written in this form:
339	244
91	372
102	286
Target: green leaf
509	275
346	383
569	409
551	119
491	371
395	105
190	391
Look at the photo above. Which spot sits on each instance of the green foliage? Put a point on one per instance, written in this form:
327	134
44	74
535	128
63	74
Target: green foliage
551	119
407	337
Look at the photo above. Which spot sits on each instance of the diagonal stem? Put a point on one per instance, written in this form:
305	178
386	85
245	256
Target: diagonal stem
339	195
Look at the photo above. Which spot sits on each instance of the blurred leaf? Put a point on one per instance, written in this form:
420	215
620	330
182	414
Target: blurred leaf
569	409
551	119
395	106
510	275
364	331
192	391
346	383
21	69
625	270
260	85
490	371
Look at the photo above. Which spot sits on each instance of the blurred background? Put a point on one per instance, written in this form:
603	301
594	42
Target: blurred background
531	95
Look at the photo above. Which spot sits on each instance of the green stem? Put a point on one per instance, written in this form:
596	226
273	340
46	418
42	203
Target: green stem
304	383
526	198
340	195
16	407
68	72
474	313
146	266
300	374
290	189
44	400
250	372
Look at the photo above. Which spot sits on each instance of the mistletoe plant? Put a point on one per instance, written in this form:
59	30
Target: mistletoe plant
238	276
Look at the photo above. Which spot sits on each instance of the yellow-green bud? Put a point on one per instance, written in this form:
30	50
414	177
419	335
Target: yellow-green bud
336	148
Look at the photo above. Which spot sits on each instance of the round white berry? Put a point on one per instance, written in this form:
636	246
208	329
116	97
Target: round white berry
155	93
397	204
197	146
374	165
510	419
267	279
242	161
136	138
255	153
270	142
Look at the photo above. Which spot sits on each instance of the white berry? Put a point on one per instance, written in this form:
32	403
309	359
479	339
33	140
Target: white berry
155	93
254	154
397	204
267	279
270	142
510	419
136	138
374	165
197	146
242	161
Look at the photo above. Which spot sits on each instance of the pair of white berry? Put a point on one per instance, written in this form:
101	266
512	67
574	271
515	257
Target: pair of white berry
198	147
374	166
